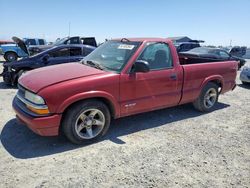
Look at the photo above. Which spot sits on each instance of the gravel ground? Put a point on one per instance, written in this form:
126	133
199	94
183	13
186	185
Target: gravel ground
175	147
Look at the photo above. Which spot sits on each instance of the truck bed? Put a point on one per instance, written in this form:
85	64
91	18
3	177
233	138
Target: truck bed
195	75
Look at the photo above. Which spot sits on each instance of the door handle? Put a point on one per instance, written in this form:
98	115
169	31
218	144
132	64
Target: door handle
173	76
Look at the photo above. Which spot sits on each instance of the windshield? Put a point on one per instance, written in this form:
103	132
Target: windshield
112	55
201	50
60	41
43	52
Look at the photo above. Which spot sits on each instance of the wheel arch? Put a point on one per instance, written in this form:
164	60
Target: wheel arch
105	98
216	79
10	51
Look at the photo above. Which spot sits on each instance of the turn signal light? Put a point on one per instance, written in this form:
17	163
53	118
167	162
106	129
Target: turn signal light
38	111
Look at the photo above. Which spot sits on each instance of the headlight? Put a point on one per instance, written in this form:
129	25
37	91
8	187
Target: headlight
36	99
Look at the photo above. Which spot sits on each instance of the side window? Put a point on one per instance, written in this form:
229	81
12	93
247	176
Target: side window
41	42
75	51
87	51
158	56
73	40
223	55
30	42
64	52
195	46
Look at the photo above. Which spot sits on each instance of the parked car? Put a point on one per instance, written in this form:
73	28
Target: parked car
205	54
121	77
238	51
67	40
56	55
13	51
245	74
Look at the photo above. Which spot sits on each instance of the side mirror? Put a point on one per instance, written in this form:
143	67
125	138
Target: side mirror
140	66
46	57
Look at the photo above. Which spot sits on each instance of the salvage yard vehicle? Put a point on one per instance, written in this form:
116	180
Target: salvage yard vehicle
67	40
6	42
205	54
13	51
237	51
56	55
245	74
121	77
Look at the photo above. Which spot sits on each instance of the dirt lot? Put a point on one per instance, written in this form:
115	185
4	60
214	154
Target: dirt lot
176	147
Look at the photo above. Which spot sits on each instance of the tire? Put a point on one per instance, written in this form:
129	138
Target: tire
80	127
10	56
207	99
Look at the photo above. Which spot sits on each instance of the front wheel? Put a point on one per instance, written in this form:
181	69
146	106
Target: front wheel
208	98
10	56
86	121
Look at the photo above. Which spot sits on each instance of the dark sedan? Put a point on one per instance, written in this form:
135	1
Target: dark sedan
205	54
56	55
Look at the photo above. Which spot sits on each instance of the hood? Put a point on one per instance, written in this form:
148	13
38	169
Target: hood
7	45
38	79
21	44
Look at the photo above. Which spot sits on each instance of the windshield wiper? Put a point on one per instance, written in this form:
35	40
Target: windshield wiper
93	64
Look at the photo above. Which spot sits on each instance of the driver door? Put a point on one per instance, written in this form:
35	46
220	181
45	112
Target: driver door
160	87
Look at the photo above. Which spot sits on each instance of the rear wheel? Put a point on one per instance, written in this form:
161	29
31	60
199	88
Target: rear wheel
86	121
208	98
10	56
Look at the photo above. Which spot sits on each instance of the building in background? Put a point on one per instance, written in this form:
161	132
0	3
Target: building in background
180	39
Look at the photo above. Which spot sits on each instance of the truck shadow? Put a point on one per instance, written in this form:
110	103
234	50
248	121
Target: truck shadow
22	143
5	86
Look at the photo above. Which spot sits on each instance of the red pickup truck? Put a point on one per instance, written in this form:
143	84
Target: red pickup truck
120	78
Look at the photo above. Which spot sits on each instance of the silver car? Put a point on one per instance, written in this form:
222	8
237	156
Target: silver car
245	74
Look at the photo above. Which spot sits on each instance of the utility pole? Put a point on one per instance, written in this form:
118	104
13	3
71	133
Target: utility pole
69	29
230	42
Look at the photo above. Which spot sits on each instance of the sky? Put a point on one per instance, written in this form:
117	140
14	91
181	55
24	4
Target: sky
216	21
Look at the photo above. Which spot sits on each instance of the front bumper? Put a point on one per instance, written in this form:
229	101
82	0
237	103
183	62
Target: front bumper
41	125
245	76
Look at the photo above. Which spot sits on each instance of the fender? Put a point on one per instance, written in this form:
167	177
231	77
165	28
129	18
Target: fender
9	50
218	78
89	95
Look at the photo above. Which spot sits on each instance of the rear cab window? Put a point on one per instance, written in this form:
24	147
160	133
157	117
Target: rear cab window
30	42
41	42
